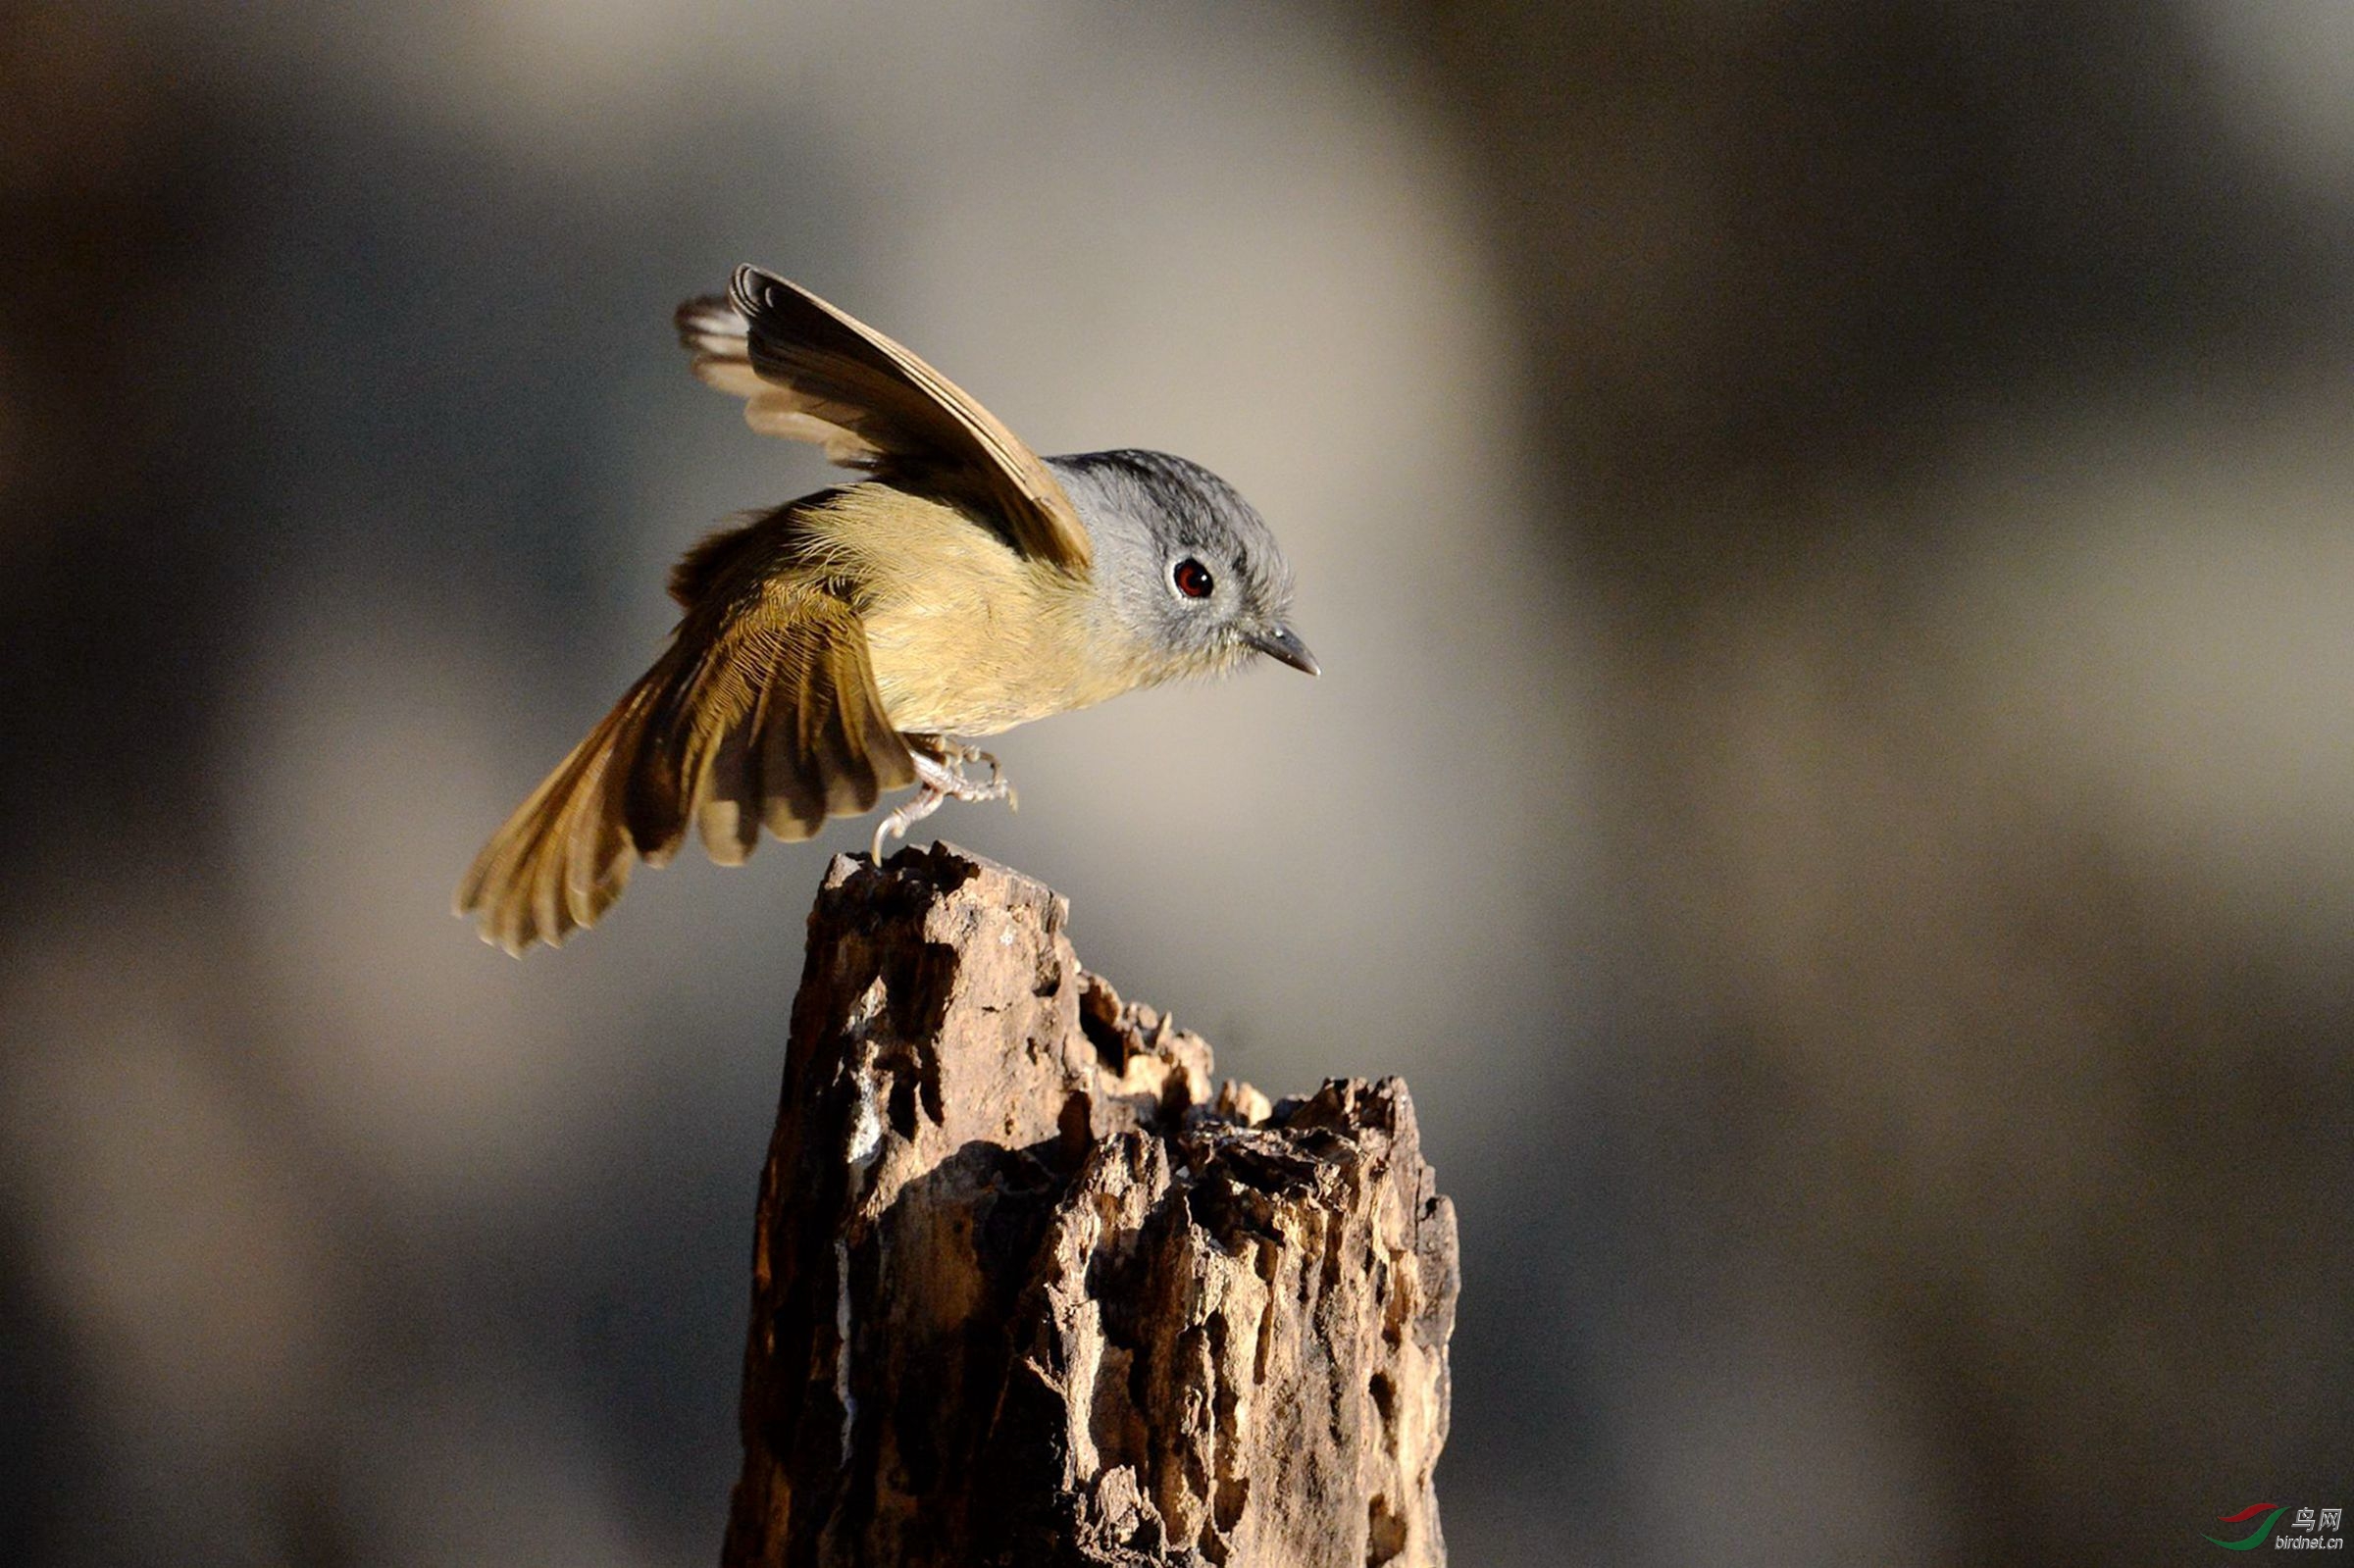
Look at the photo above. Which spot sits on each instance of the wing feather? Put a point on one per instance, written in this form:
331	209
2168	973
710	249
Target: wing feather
764	711
809	372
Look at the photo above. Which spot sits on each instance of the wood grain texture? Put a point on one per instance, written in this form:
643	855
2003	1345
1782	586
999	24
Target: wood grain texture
1027	1291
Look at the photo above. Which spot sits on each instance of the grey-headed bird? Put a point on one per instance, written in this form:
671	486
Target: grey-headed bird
850	641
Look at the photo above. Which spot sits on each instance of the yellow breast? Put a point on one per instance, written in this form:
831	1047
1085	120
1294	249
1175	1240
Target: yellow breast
967	637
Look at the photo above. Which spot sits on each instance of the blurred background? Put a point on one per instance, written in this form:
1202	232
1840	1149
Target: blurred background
1826	527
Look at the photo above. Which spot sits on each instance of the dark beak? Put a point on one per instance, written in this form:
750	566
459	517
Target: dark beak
1282	643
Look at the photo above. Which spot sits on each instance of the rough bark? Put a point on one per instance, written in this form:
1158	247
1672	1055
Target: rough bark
1026	1293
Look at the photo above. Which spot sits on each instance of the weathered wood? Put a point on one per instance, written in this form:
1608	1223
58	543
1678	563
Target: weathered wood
1025	1292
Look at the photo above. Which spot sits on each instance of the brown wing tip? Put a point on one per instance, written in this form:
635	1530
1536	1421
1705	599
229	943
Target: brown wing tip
495	927
509	923
557	863
517	918
751	289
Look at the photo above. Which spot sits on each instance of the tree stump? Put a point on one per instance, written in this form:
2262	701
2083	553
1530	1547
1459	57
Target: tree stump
1025	1292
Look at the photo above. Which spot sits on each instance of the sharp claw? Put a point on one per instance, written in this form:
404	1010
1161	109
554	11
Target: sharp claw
941	778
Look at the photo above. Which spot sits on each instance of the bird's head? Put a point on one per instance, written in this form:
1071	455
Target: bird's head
1184	565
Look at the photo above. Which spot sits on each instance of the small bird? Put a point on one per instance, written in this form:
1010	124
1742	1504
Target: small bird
847	643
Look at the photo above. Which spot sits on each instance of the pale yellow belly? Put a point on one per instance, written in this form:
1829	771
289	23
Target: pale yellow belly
939	677
966	636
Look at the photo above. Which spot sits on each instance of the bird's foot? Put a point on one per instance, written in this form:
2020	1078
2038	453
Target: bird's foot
948	756
954	754
946	774
940	776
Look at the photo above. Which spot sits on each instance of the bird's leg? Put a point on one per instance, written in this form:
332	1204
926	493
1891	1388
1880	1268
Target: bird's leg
940	776
927	800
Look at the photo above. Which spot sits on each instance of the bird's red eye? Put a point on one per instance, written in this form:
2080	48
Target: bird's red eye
1192	578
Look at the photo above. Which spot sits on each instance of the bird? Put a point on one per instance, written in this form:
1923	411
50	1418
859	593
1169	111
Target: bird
855	640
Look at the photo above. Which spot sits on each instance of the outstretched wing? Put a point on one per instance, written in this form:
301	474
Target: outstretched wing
811	373
765	715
